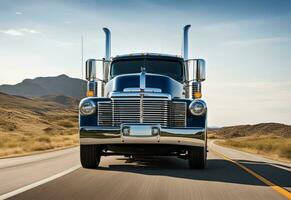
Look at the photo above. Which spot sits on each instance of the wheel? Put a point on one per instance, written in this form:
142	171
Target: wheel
197	157
90	156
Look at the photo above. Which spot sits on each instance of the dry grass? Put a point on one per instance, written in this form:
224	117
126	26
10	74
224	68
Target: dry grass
20	144
269	139
31	125
271	146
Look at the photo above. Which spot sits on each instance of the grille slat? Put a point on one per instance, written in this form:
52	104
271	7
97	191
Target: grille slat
155	111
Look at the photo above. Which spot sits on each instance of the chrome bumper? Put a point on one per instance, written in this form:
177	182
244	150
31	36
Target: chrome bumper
111	135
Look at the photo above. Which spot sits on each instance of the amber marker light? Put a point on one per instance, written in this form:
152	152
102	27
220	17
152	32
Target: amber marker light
197	95
90	93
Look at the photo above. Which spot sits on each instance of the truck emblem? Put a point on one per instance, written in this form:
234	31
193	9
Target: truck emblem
142	69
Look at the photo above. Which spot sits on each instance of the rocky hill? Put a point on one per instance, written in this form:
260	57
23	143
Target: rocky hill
36	124
262	129
47	86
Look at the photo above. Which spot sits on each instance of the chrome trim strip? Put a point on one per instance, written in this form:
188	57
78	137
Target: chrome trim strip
177	136
142	86
151	140
98	128
137	94
142	80
141	108
155	90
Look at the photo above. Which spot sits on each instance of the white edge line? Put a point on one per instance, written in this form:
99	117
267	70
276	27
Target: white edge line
38	183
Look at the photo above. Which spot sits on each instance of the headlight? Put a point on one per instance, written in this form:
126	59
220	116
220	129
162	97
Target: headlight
87	107
197	107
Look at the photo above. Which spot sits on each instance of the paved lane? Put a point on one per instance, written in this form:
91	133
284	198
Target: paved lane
155	178
275	171
144	177
21	171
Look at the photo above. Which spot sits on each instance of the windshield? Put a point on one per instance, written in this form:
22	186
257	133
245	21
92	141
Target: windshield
171	68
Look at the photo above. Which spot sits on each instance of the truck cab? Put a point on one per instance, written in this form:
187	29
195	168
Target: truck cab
144	104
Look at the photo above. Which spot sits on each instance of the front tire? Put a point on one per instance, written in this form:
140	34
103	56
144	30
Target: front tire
197	157
90	156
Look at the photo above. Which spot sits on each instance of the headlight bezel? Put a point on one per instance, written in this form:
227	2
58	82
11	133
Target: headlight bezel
197	102
83	103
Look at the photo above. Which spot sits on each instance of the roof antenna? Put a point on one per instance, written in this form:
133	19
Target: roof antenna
82	56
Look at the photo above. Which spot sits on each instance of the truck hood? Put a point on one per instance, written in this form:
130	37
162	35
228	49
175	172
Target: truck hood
132	82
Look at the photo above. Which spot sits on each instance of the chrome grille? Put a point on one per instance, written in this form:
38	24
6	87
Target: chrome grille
104	109
178	114
155	111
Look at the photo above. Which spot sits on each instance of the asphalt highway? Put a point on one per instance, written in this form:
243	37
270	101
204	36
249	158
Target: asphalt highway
58	175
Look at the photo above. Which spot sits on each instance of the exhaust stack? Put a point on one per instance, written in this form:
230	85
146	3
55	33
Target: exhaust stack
107	43
185	42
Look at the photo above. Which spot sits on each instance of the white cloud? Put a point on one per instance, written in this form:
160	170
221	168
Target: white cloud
18	13
12	32
19	32
67	22
31	31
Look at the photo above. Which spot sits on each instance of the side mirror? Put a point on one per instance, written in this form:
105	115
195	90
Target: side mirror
196	70
90	70
96	73
94	70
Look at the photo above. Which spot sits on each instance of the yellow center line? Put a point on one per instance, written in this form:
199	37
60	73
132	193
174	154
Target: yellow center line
275	187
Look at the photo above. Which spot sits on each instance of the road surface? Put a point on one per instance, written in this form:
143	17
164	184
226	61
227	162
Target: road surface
58	175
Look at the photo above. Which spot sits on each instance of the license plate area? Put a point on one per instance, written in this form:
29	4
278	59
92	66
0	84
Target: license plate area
140	130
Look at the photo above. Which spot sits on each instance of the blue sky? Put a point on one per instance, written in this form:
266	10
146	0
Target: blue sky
246	44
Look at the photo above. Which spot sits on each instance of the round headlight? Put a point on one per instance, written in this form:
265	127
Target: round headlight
87	107
197	107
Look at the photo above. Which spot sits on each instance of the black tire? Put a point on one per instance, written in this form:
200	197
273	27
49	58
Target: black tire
197	158
90	156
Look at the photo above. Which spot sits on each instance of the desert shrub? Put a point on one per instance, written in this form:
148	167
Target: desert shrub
44	139
8	126
285	151
24	139
66	124
40	146
48	129
212	137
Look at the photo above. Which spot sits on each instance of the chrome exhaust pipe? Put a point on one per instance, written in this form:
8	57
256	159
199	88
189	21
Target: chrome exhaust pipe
185	42
107	43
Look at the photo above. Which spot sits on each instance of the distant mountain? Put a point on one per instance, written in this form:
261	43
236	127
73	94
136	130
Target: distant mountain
60	99
47	86
261	129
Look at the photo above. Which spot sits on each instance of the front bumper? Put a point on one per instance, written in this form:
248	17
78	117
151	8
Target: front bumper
112	135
